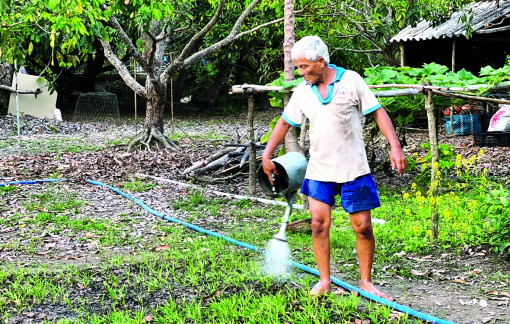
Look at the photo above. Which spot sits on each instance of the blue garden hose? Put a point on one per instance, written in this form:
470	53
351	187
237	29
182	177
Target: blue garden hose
5	184
303	267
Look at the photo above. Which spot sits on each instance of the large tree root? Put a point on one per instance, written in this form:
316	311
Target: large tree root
151	136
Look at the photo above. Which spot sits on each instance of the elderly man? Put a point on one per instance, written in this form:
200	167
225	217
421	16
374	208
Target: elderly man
334	99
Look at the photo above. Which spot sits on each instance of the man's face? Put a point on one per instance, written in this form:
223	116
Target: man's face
311	71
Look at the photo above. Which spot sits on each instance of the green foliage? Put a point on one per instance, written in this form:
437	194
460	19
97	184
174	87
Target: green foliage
497	208
276	99
272	124
446	162
403	109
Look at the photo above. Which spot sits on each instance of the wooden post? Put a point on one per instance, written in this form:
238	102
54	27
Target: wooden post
454	50
172	101
402	54
291	141
253	151
429	107
136	112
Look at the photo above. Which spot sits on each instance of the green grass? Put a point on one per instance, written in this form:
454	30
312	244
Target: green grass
61	145
138	185
223	285
222	282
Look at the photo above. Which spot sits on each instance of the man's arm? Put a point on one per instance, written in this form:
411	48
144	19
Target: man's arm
397	157
281	128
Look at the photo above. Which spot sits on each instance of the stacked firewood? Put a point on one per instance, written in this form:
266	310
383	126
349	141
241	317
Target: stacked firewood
233	156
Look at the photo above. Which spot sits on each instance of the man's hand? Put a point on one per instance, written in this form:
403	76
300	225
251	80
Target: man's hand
269	169
398	160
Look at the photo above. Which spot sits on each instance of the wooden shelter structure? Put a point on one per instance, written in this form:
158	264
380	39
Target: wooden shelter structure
448	45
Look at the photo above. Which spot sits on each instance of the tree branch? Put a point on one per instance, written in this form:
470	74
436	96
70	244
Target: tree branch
172	68
225	41
123	70
127	41
356	51
12	25
347	36
20	91
163	34
185	28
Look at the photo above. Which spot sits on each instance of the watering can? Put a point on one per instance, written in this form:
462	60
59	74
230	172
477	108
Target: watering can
291	168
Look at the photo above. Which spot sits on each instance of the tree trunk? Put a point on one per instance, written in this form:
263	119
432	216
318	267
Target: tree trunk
291	141
152	131
429	107
388	52
208	99
5	79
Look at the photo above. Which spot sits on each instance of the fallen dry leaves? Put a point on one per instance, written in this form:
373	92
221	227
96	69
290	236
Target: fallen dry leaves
161	247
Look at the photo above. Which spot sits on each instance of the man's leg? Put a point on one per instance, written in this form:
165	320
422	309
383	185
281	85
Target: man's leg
365	245
321	221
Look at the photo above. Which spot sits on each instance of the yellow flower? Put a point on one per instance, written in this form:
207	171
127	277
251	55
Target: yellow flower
429	233
415	154
406	196
413	186
481	152
408	211
458	157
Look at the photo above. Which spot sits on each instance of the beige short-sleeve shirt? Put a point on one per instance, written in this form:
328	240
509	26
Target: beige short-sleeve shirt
337	151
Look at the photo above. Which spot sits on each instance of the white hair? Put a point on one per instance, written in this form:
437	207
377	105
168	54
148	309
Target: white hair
313	46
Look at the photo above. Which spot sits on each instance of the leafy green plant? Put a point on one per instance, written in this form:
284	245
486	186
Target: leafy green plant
446	162
497	207
138	185
403	109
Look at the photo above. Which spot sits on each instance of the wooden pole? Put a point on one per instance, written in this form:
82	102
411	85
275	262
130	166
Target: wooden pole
454	50
253	150
136	112
402	54
458	95
172	102
429	107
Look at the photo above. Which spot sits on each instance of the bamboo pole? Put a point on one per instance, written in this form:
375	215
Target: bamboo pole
429	107
172	102
238	89
136	112
462	96
397	93
253	149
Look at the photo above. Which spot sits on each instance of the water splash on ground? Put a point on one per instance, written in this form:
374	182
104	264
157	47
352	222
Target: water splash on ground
274	263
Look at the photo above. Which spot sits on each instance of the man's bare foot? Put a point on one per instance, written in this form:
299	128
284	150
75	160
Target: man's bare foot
369	287
320	289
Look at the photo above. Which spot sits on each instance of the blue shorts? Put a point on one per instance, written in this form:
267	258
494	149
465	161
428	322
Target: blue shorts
359	194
